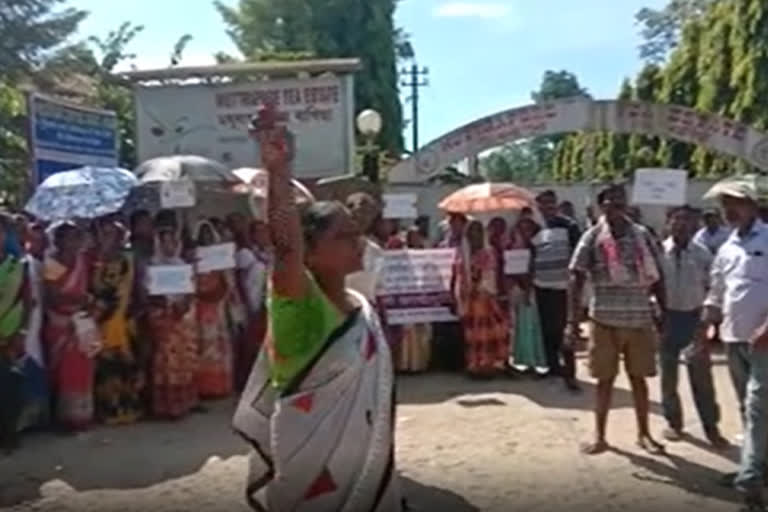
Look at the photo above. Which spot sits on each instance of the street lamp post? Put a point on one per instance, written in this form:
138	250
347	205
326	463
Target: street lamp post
369	124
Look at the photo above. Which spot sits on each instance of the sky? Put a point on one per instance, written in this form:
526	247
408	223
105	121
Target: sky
482	56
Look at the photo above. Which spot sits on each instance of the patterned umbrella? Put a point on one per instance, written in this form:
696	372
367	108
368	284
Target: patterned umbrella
86	193
488	197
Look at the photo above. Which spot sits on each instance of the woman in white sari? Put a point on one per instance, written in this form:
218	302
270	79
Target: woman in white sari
318	408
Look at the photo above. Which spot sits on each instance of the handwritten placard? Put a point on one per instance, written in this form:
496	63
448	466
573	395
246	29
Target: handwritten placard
666	187
170	280
517	261
215	257
178	194
414	286
400	206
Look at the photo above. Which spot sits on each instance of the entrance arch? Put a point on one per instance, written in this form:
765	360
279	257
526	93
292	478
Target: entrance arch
584	115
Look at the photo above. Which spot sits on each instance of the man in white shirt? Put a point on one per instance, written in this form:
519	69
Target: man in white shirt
738	299
713	234
686	267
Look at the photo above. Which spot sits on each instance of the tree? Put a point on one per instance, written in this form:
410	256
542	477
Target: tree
512	162
681	87
647	87
337	28
662	28
32	32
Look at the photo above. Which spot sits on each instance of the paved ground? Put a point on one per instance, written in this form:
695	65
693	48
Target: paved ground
463	446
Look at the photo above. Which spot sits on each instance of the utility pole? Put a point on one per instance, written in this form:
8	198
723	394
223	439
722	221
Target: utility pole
413	79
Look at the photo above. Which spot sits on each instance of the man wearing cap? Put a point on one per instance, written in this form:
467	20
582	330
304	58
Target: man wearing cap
738	301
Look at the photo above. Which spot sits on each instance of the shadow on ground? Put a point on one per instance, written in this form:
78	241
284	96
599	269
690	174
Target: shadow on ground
684	474
99	459
423	498
548	393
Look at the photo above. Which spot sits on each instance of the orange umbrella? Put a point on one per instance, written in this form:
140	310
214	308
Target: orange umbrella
488	197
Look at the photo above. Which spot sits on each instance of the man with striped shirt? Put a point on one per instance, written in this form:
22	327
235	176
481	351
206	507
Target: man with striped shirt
553	246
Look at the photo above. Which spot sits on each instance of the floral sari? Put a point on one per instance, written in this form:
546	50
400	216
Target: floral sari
119	381
173	367
71	369
486	333
214	372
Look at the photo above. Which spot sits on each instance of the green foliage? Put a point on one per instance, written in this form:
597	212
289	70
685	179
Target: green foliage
337	28
662	28
514	162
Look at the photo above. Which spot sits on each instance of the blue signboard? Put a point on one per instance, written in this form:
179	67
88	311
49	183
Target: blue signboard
65	136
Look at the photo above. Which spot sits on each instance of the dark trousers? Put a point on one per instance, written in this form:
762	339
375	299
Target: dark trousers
553	310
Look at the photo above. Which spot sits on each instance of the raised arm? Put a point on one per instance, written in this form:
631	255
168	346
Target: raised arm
288	274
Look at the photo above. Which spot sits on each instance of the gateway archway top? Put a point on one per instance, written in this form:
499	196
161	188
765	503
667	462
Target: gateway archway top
584	115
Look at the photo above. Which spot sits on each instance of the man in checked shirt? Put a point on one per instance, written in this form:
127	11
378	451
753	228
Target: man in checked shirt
738	301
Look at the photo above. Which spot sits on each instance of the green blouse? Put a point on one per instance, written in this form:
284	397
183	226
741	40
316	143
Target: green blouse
300	328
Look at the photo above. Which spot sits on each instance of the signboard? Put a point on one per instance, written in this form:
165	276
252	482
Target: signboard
170	280
215	257
177	194
517	261
400	206
211	120
414	286
64	136
585	115
667	187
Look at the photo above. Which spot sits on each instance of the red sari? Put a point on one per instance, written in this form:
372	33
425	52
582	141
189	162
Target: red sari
486	331
71	370
214	373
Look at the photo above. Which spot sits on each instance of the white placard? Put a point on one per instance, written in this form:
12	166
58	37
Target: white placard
517	261
666	187
171	280
215	257
178	194
416	271
400	206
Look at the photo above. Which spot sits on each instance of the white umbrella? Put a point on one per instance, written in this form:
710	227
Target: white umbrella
183	167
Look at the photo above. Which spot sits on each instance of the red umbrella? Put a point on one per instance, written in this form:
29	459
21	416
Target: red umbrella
488	197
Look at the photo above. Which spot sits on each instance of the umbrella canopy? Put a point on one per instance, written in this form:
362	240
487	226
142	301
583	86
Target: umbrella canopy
488	197
87	193
750	186
254	182
183	167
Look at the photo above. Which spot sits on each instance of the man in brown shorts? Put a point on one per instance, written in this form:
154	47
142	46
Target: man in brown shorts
622	263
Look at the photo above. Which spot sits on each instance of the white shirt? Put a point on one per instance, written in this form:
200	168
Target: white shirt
712	241
255	278
739	284
686	275
365	281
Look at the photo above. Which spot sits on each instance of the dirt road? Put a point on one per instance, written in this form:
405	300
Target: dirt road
463	446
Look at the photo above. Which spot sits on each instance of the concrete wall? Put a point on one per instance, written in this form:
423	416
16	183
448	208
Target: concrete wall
579	194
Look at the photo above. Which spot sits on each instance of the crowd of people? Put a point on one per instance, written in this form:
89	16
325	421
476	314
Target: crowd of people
82	339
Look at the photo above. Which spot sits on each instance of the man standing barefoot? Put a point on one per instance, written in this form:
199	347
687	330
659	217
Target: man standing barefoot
622	263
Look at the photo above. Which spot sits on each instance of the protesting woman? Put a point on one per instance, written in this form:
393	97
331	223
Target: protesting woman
37	399
14	306
323	387
119	382
70	361
527	352
474	287
252	261
214	373
415	350
174	339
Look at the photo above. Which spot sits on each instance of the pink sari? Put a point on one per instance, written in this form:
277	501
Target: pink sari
71	370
